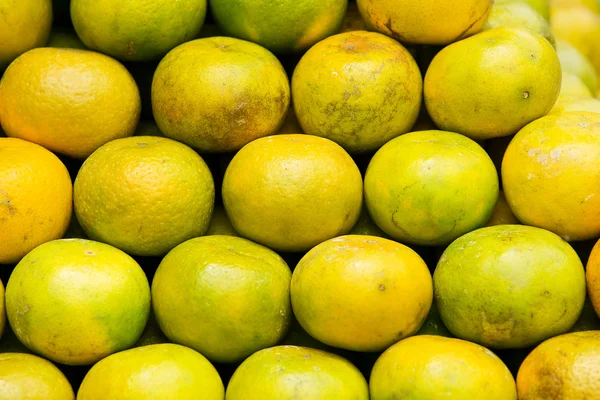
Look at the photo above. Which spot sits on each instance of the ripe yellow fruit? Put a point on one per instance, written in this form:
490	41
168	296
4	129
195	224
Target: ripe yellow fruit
435	367
144	195
220	223
564	367
28	377
426	21
572	85
361	293
359	89
35	198
2	310
573	103
574	62
502	215
154	372
430	187
292	192
593	277
509	286
223	296
492	84
554	163
70	101
219	93
519	14
541	6
366	226
75	301
25	24
291	372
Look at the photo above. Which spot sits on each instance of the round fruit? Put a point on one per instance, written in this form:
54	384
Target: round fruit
432	367
281	26
571	85
25	24
154	372
144	195
151	334
502	215
361	293
519	14
223	296
492	84
430	187
65	39
69	101
588	320
28	377
366	226
541	6
426	21
433	324
359	89
572	61
553	163
220	223
217	94
292	192
564	367
509	286
2	310
573	103
291	372
141	29
35	198
593	277
75	301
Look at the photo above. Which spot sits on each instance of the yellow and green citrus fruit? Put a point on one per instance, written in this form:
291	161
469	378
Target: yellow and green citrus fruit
65	39
433	324
2	310
292	192
509	286
292	372
572	85
361	293
219	93
366	226
593	277
25	24
434	367
553	164
541	6
220	223
137	30
589	320
155	372
574	62
290	123
564	367
35	198
574	104
28	377
223	296
426	21
359	89
353	21
151	334
282	26
76	301
492	84
591	5
519	14
69	101
502	214
144	195
430	187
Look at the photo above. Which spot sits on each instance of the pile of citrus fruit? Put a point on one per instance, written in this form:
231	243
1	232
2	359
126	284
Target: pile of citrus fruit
299	199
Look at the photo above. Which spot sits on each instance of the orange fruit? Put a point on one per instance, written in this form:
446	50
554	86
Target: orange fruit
361	293
144	194
35	198
292	192
69	101
593	277
566	367
219	93
502	214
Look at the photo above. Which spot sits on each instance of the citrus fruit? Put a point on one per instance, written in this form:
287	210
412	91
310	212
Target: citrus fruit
151	334
366	226
425	21
217	94
223	296
28	377
148	128
2	310
572	85
591	5
69	101
361	293
292	372
141	29
64	39
35	198
593	277
220	223
292	192
502	214
154	372
573	62
282	26
430	187
575	103
509	286
433	324
290	123
433	367
492	84
552	163
564	367
353	21
588	320
541	6
25	25
359	89
144	195
75	301
519	14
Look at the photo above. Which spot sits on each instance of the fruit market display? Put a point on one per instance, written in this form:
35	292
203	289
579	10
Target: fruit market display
299	200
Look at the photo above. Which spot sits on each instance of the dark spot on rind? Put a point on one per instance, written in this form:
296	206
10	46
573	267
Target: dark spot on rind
382	287
526	94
